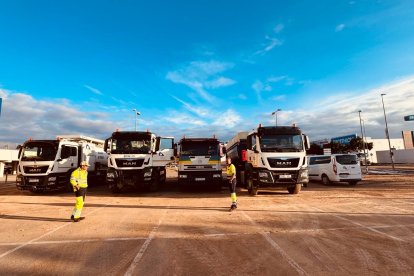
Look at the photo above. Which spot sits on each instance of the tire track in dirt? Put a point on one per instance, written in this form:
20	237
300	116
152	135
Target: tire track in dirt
276	246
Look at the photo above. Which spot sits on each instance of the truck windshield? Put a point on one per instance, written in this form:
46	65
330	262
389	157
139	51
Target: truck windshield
39	151
136	145
199	148
281	143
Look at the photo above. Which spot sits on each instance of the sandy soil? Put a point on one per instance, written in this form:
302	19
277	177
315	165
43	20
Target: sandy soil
367	229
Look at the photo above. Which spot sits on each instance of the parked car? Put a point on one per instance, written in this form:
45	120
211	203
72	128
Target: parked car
335	168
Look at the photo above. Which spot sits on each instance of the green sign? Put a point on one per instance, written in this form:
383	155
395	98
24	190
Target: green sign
409	118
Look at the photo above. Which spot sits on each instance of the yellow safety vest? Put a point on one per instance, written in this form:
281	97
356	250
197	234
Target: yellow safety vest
80	177
231	170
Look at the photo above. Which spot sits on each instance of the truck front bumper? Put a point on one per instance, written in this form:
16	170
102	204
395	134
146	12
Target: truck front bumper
200	178
282	178
41	183
139	177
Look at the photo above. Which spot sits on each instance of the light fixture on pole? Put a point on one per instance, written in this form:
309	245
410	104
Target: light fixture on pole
363	141
275	113
136	113
386	132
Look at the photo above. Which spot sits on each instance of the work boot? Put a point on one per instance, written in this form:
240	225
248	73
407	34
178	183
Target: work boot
72	217
233	207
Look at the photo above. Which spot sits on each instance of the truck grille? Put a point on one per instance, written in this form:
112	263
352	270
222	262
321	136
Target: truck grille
283	162
122	163
35	169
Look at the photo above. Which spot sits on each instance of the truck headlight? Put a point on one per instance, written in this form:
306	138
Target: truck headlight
147	174
182	176
303	175
263	175
110	175
52	178
216	175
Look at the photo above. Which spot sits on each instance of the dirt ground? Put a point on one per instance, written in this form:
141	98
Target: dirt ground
367	229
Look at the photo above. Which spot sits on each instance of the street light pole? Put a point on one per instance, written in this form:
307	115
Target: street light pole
136	112
363	141
365	135
387	133
275	113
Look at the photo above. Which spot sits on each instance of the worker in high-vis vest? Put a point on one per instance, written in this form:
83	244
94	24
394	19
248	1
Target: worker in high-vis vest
79	181
231	178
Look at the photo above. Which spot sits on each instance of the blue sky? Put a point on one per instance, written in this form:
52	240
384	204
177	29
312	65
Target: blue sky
199	68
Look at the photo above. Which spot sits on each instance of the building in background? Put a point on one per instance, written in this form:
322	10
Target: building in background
408	138
382	145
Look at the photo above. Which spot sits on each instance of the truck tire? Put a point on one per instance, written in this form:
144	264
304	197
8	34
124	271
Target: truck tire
68	187
295	189
164	178
325	180
154	185
114	188
252	188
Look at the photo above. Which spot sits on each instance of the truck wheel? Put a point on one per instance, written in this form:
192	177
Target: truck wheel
114	189
252	188
164	178
253	191
155	184
295	189
325	180
68	187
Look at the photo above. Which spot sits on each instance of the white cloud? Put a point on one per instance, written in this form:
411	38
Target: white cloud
272	43
93	90
199	111
338	115
228	119
339	27
202	75
242	97
24	116
184	120
220	82
278	28
278	98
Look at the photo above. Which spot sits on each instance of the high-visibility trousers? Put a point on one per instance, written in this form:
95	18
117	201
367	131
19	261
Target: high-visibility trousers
80	200
232	188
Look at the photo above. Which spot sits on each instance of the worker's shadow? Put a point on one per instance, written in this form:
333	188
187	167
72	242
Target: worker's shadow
33	218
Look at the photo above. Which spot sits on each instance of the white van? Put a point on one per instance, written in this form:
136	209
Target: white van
335	168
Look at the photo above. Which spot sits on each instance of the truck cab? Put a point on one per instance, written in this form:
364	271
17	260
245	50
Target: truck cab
200	162
273	156
47	164
137	159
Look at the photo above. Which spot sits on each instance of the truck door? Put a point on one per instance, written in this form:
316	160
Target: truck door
68	158
253	150
164	151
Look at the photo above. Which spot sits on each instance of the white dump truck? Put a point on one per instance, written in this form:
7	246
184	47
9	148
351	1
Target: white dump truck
272	156
47	164
199	162
137	159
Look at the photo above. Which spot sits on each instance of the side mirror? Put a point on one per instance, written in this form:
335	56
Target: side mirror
307	143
